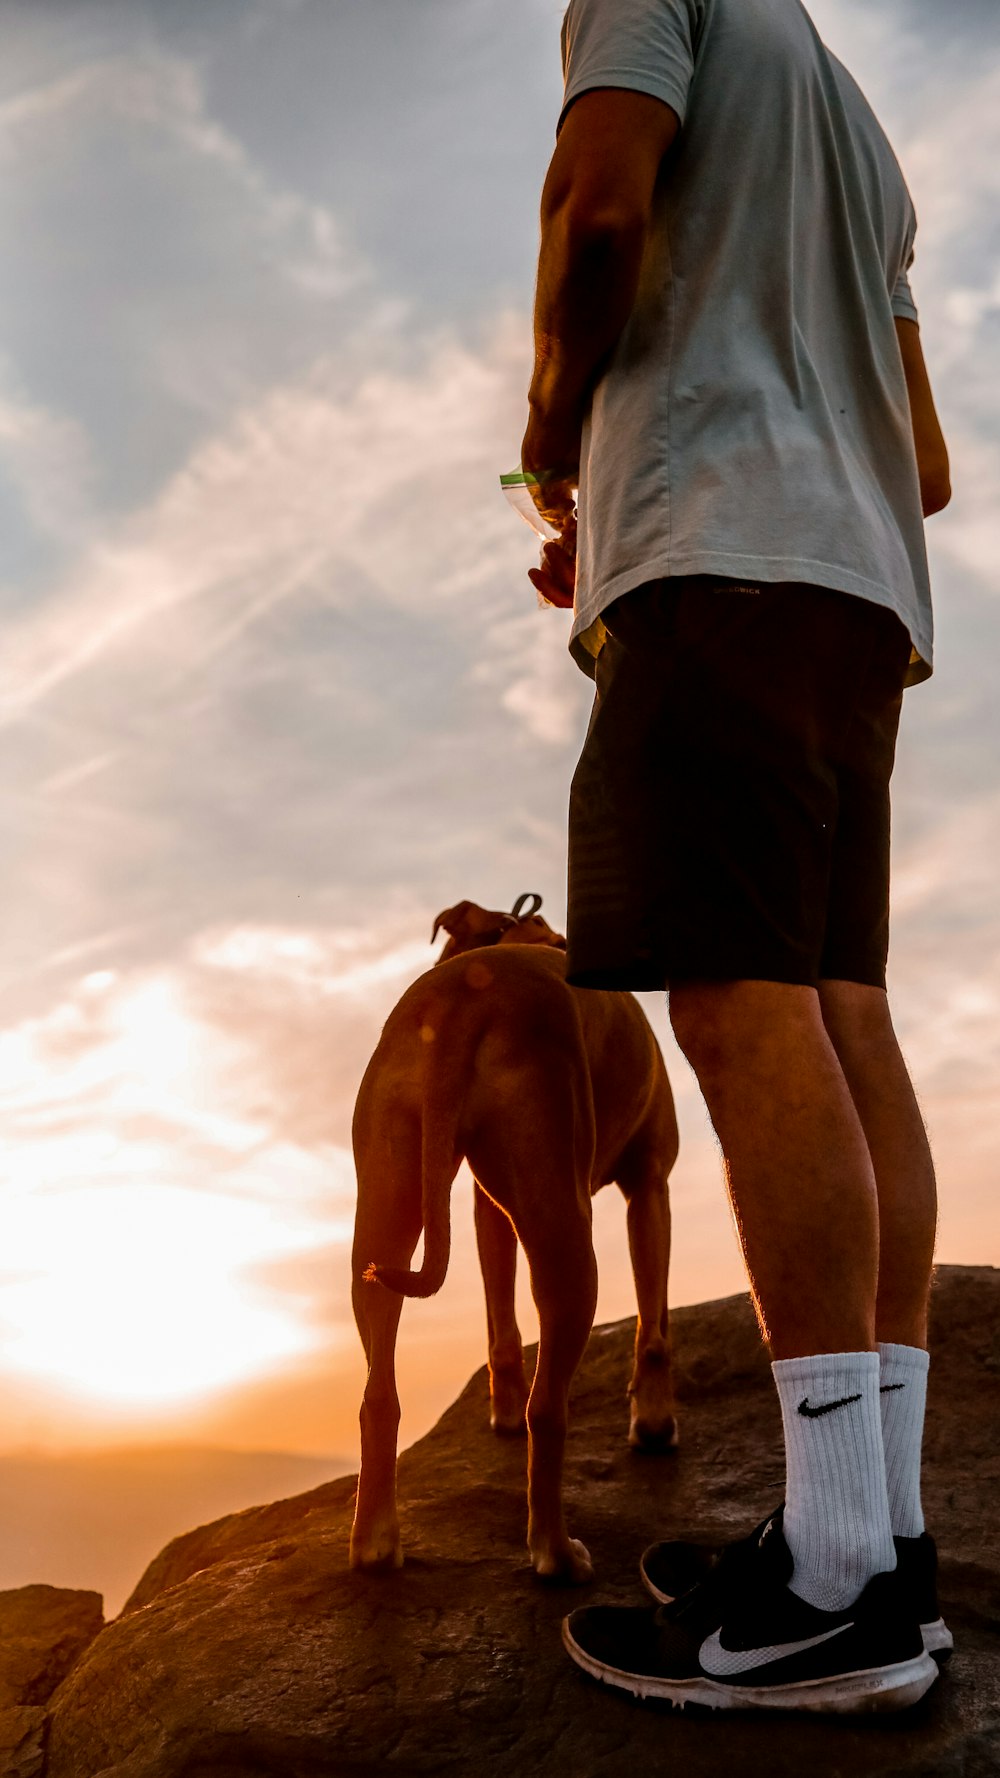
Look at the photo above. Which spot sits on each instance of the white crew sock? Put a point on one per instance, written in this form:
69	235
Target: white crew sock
903	1395
836	1520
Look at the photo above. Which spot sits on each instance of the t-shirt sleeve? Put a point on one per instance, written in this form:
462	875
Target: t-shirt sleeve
902	296
647	46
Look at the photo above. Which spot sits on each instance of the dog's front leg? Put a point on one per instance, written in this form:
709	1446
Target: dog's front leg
564	1284
498	1259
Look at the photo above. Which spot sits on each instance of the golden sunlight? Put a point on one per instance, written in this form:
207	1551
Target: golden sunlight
154	1237
133	1293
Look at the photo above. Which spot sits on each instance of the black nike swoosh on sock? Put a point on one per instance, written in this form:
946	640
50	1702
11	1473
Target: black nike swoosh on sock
887	1388
825	1407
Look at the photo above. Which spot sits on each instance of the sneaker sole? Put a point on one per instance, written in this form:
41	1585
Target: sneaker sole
895	1687
938	1639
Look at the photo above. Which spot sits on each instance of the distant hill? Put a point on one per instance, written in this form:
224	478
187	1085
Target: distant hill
97	1520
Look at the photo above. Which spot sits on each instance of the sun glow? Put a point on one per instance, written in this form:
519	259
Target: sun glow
158	1235
134	1293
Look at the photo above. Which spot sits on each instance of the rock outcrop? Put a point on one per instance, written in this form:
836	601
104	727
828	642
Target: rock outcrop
43	1633
250	1648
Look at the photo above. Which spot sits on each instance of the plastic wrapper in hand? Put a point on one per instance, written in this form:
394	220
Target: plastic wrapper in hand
517	487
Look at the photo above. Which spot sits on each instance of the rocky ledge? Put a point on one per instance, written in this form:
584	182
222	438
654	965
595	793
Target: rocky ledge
43	1633
249	1648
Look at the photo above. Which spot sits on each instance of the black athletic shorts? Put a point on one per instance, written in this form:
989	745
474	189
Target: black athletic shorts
729	816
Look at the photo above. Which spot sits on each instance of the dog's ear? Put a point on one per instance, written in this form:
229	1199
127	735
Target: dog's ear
453	920
469	926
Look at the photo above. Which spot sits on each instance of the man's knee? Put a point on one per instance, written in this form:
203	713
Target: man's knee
721	1026
706	1018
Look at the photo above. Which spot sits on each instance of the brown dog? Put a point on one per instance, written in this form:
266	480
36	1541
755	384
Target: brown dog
550	1092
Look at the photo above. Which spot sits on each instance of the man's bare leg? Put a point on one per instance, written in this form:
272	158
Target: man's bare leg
860	1027
803	1155
803	1191
798	1167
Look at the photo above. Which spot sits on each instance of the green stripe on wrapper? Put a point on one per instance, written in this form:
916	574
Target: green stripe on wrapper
517	486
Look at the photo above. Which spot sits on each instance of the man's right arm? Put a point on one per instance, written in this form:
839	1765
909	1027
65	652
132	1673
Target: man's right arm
928	439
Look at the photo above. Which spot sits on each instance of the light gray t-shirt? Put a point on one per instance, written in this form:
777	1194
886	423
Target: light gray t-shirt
753	420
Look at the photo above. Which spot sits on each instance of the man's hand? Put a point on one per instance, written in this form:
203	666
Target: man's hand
552	452
555	579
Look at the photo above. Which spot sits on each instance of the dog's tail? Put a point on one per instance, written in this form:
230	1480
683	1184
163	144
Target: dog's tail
439	1162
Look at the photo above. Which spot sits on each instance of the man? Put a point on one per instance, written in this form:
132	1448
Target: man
728	364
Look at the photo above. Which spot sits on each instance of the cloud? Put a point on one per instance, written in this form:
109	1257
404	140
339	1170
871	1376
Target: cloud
527	663
947	931
388	489
302	630
969	530
437	174
940	104
169	276
345	962
48	463
958	243
145	1187
971	21
164	93
149	94
302	1008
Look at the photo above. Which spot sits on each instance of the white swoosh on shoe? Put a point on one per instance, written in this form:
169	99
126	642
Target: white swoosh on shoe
719	1662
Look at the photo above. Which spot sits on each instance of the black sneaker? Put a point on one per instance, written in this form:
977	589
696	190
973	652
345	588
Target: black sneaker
669	1570
916	1564
769	1650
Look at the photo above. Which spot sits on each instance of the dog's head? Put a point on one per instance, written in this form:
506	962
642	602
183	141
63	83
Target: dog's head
469	926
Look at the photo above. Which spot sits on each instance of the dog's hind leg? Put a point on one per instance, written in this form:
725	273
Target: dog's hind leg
498	1259
564	1286
386	1230
652	1421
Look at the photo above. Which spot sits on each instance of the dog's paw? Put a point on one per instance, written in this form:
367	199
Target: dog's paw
567	1564
653	1436
508	1401
380	1548
517	1428
508	1412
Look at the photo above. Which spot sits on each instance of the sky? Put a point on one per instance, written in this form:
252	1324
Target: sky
274	688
